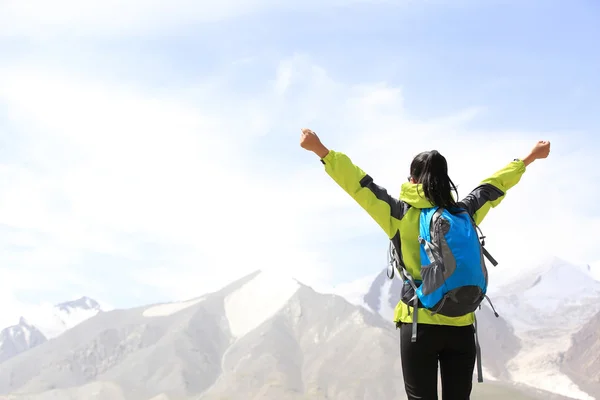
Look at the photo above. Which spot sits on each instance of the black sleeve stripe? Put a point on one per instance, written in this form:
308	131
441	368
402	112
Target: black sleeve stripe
479	196
398	246
398	208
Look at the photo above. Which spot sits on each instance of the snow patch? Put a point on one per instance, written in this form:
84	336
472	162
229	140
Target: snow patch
487	375
27	334
559	284
60	321
257	301
89	303
164	310
595	270
557	294
385	309
538	363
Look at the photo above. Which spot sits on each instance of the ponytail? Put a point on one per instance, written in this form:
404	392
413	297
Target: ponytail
430	169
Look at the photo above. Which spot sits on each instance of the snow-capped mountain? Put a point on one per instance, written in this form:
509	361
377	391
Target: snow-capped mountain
18	338
540	309
550	294
54	320
263	336
76	306
44	322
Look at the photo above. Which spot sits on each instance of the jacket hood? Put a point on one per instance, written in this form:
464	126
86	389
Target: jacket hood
412	193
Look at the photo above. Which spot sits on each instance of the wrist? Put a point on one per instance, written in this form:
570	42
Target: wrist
321	151
529	159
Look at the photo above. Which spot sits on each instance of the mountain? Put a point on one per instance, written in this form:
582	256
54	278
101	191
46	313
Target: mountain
78	306
540	309
54	321
259	336
18	338
548	293
263	336
44	323
547	304
582	360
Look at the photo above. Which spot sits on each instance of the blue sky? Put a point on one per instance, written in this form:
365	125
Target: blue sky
153	154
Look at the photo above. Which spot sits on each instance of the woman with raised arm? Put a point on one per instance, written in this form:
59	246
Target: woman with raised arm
444	339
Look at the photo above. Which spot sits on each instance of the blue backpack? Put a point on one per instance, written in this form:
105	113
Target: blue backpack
453	271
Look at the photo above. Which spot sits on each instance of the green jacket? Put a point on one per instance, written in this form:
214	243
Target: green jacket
399	218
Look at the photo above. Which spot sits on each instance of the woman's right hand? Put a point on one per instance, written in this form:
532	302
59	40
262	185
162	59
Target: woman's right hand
311	142
539	151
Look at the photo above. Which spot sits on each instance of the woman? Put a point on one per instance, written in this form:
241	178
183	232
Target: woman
447	340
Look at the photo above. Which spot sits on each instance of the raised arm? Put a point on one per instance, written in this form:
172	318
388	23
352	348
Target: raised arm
374	199
492	190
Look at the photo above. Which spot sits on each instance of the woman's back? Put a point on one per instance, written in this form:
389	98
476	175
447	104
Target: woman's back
448	341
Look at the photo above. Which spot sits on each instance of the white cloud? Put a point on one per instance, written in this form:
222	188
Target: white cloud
45	20
104	160
122	162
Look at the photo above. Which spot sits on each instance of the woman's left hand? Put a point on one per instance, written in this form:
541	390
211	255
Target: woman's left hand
311	142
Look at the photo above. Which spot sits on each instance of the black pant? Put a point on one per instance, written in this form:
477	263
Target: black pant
454	349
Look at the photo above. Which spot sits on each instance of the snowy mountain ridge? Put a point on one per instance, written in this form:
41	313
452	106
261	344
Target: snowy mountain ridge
53	320
262	336
527	355
549	295
542	306
44	322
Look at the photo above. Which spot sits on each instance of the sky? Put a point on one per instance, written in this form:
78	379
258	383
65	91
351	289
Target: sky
149	150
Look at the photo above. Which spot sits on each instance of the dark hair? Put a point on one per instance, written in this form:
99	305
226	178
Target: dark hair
430	169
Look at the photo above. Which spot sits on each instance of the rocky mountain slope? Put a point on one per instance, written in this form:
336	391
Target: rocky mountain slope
582	360
547	305
261	337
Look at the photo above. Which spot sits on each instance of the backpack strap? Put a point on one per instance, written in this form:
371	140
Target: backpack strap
478	354
483	249
396	263
413	337
489	256
415	300
491	305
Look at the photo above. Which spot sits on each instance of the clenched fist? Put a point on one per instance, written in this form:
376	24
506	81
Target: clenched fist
541	149
311	142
